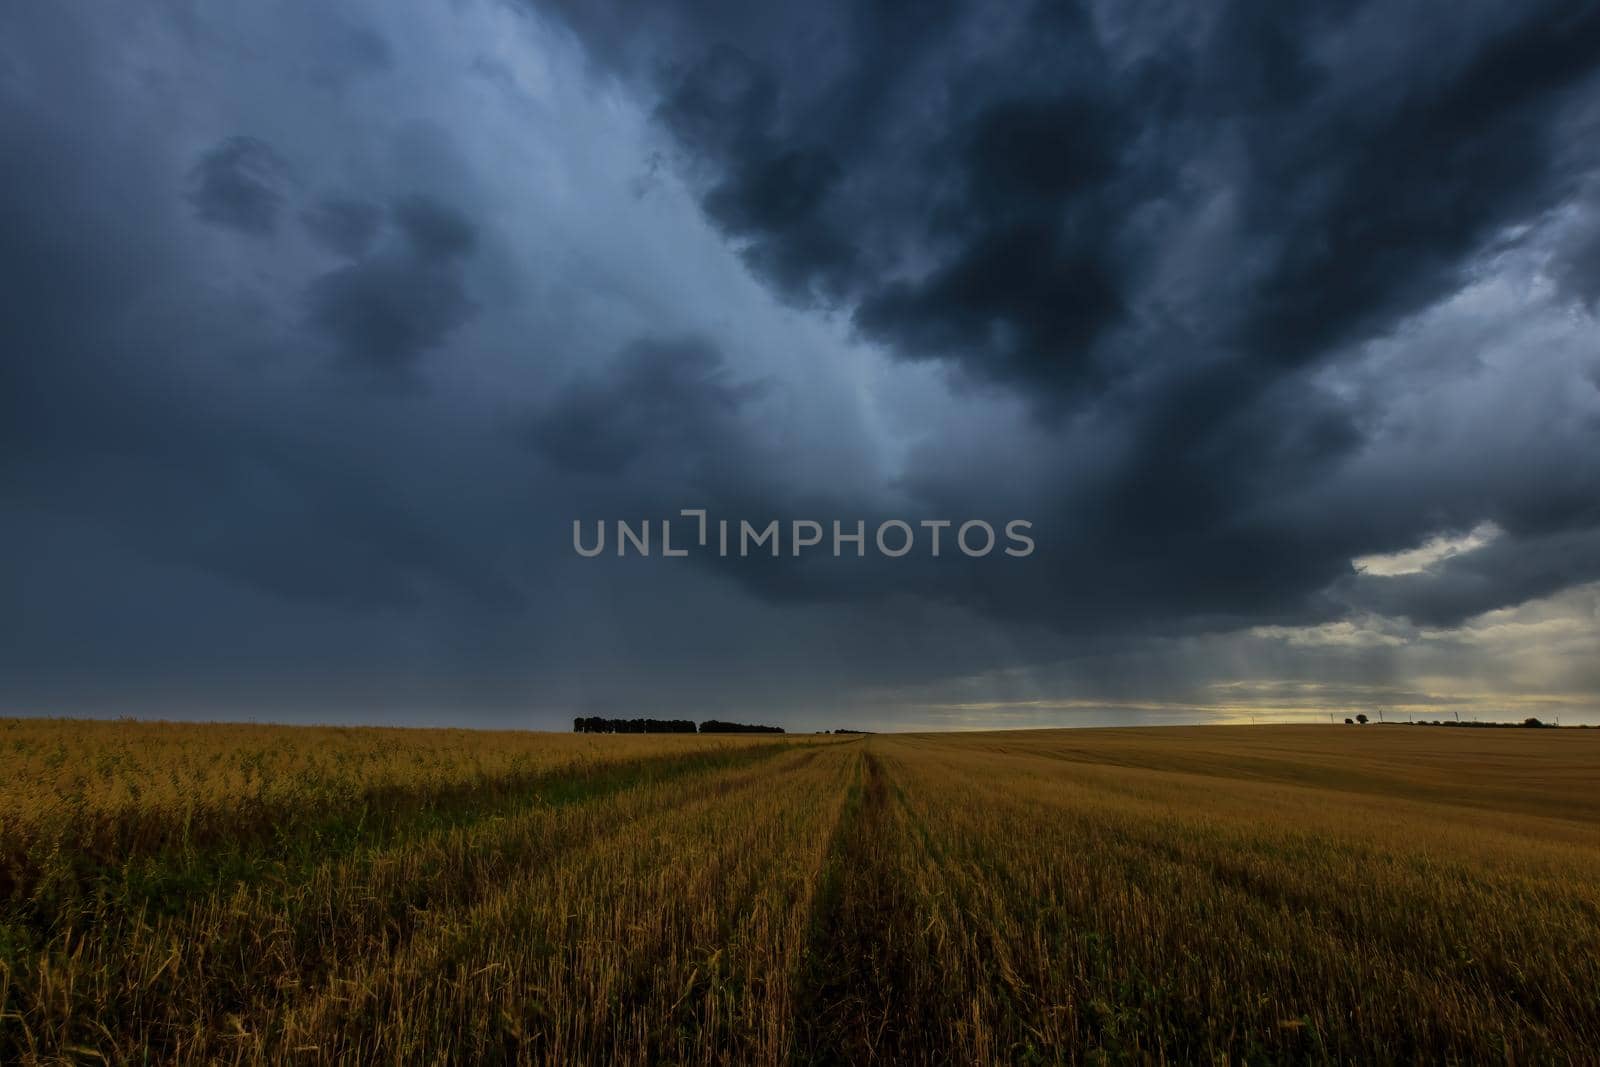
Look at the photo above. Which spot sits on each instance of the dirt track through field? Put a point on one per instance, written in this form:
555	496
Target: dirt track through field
852	1006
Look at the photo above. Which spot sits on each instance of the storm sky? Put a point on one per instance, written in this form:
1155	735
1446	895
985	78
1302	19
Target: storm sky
321	323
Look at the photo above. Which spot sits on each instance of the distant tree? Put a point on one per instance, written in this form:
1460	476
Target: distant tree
1531	721
1362	719
1349	721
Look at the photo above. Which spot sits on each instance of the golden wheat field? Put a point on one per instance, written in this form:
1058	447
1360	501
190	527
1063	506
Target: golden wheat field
186	893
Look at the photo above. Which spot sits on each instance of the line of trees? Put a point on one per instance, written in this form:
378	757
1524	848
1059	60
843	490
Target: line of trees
595	724
1528	723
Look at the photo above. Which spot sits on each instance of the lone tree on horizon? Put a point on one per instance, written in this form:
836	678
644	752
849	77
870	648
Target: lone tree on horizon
1362	718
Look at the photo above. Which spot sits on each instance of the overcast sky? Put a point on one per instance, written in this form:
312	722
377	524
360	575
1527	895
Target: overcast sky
323	322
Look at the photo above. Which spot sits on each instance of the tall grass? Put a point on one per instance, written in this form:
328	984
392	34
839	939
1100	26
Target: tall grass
1319	900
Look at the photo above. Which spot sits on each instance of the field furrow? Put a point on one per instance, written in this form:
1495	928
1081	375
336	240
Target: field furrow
161	978
676	932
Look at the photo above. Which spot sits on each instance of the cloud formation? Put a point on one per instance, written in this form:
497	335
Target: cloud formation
1230	303
240	184
1182	227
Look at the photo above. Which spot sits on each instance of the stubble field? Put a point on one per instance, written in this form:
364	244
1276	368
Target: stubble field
1262	894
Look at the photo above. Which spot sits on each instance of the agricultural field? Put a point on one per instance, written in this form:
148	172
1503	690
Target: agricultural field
184	893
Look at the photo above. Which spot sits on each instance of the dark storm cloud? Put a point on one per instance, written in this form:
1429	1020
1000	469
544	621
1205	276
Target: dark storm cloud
1168	223
343	225
240	184
1220	298
663	396
100	421
1385	192
669	424
1576	262
344	50
385	310
1511	570
981	191
437	232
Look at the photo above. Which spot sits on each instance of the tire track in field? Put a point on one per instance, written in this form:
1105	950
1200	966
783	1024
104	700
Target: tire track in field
354	993
285	842
295	934
694	782
855	999
425	901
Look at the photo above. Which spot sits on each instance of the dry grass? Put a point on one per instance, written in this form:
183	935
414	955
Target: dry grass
1279	893
80	798
1327	894
123	779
